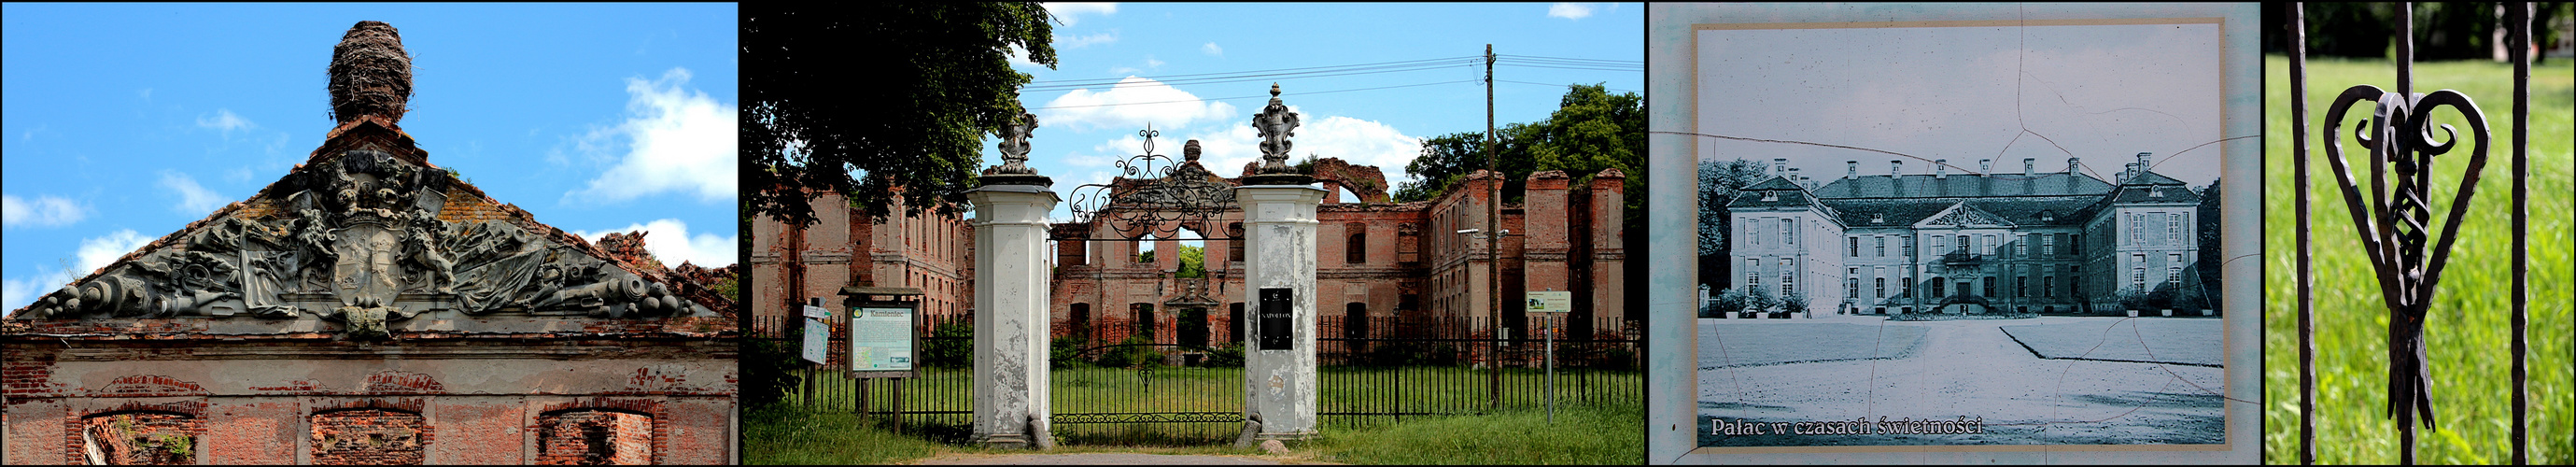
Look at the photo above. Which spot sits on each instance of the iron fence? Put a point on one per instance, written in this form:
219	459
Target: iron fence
1374	370
2399	136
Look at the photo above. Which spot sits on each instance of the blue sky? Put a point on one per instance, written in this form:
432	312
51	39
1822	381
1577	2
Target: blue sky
1130	50
2100	92
124	123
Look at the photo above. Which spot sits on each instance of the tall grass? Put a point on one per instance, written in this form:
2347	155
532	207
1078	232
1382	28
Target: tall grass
2469	338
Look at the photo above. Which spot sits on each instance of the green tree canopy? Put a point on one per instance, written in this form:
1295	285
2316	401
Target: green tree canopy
899	97
1590	131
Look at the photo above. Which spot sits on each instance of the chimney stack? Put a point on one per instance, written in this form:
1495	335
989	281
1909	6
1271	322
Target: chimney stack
2143	164
1940	169
2074	164
1780	167
1851	169
1986	166
1895	168
1793	176
2029	166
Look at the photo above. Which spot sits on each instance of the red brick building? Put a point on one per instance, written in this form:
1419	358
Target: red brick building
1377	259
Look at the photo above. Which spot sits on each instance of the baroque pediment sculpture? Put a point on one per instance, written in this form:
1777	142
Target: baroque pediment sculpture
366	233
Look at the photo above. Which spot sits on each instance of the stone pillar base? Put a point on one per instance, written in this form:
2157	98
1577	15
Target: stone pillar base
2133	313
1732	314
2168	312
1004	441
1298	436
2208	312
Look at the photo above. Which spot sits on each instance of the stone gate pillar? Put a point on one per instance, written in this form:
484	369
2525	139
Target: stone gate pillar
1279	269
1011	298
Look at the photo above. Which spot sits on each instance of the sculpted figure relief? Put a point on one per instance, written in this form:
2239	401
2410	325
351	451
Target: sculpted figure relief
355	242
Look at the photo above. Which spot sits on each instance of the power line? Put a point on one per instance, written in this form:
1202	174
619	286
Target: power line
1534	57
1557	85
1405	64
1257	96
1264	77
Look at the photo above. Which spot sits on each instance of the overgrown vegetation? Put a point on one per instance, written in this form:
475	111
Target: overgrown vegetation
954	348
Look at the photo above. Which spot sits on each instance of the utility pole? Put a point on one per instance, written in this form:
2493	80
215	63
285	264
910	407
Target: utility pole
1493	235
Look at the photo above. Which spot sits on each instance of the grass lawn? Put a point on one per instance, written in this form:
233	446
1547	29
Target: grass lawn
1610	434
2470	336
1086	389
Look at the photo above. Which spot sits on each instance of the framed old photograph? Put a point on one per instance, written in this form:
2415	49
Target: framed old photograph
1956	232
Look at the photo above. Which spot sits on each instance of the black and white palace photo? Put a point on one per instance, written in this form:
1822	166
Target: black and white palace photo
1959	233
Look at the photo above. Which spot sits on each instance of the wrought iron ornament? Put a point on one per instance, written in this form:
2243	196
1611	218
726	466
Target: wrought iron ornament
1153	194
2396	223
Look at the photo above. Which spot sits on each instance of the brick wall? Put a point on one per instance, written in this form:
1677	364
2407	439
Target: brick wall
594	437
368	437
142	438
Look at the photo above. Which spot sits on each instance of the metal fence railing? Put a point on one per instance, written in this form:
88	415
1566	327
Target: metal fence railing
1371	371
2396	225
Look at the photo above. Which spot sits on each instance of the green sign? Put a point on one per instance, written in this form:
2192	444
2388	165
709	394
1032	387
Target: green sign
881	339
1551	302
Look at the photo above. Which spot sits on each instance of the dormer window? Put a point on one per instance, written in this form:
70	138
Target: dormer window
1770	195
2047	215
1877	217
2155	191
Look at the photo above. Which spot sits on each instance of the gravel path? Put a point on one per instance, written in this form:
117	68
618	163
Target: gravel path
1968	368
2188	341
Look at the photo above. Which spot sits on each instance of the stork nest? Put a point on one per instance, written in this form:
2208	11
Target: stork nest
370	73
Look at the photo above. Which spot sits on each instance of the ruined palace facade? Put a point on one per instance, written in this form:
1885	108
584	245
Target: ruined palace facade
2032	242
369	307
1375	259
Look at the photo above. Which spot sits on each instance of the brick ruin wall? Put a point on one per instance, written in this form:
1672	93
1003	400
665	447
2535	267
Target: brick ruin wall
369	437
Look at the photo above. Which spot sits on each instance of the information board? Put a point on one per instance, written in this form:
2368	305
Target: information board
818	342
881	339
1551	302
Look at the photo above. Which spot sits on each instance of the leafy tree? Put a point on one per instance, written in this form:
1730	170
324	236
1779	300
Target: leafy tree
1193	263
1718	182
899	97
769	368
1590	131
1796	302
1729	301
2210	258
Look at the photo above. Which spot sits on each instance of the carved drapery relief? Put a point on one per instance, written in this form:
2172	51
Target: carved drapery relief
358	240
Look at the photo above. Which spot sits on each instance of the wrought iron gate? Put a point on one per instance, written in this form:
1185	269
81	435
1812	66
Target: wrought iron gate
2396	225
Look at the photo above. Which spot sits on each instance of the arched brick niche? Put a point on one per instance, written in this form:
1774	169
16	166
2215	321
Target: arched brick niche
138	438
594	437
369	436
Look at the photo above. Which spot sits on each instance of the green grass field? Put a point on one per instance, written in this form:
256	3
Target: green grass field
1598	429
2469	340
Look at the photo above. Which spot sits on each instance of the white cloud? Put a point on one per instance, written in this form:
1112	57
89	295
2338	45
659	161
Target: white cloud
677	140
146	93
669	241
44	211
1131	104
1072	11
194	199
1152	64
93	253
1212	49
1076	42
1224	150
226	121
1569	10
1359	142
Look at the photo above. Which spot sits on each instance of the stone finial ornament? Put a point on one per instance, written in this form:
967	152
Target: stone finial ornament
1190	151
1015	145
1276	124
370	73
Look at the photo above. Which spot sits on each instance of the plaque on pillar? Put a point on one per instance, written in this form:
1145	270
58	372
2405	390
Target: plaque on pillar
1278	318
